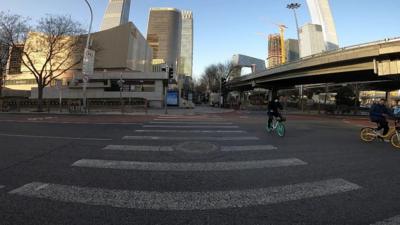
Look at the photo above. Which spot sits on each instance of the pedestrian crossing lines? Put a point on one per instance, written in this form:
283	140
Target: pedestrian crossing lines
183	201
196	136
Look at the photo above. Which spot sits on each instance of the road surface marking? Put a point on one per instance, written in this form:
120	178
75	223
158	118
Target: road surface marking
391	221
2	186
139	148
177	138
61	122
248	148
203	166
192	126
190	131
189	120
183	201
193	123
55	137
142	148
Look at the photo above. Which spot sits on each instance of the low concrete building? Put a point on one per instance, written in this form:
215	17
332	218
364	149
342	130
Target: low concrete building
104	85
121	52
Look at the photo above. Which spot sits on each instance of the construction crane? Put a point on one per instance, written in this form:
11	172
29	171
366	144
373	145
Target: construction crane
282	29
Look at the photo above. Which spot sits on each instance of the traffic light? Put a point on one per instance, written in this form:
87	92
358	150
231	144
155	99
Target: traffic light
171	73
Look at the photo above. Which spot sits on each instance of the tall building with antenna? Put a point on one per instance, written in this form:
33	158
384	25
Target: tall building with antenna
117	14
321	14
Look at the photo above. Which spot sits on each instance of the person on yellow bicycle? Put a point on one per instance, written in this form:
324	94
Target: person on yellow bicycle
378	114
273	111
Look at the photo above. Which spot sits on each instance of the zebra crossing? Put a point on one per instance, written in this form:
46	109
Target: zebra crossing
210	136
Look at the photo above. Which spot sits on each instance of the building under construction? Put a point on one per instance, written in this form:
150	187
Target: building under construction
274	50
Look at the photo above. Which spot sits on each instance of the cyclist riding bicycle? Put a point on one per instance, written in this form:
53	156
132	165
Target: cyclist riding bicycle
273	111
378	114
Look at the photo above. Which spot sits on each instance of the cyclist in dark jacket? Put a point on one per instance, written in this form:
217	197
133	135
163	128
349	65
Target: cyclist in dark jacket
378	115
273	111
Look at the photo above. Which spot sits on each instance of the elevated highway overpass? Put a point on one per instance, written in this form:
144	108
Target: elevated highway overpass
375	61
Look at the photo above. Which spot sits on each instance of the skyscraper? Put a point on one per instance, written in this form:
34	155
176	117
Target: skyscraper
321	14
312	40
117	13
292	50
274	50
186	55
164	35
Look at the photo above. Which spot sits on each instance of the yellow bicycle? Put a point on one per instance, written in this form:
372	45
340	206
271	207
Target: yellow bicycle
369	134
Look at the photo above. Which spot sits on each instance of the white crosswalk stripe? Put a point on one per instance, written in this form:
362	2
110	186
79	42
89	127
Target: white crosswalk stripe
192	123
248	148
2	186
179	138
203	166
190	131
141	148
391	221
191	126
185	200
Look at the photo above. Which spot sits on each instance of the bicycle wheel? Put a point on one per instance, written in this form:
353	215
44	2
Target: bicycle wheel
395	140
367	134
280	129
268	129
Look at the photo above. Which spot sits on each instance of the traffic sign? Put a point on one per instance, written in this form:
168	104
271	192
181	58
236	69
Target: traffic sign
85	78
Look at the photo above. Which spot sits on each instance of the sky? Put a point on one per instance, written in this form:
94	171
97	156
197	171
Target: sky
223	28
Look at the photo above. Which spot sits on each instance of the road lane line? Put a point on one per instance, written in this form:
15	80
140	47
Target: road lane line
192	126
391	221
139	148
55	137
190	131
203	166
177	138
184	201
248	148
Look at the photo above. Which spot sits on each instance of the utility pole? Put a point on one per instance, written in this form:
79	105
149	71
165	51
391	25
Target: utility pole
294	7
166	70
121	88
86	53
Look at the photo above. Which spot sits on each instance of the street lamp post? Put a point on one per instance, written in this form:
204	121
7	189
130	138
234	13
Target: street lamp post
85	79
294	7
121	83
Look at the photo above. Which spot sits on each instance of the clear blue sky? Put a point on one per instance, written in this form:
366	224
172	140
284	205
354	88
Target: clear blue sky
226	27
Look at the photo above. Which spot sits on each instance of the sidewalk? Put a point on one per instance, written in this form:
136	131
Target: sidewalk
198	110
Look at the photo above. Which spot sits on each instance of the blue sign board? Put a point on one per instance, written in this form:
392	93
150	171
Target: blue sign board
172	98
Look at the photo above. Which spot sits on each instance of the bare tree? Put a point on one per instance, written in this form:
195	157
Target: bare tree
12	31
4	52
212	75
50	50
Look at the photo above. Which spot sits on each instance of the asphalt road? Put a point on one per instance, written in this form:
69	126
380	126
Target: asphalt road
199	169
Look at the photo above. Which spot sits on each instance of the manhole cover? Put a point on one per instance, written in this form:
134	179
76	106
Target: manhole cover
197	147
